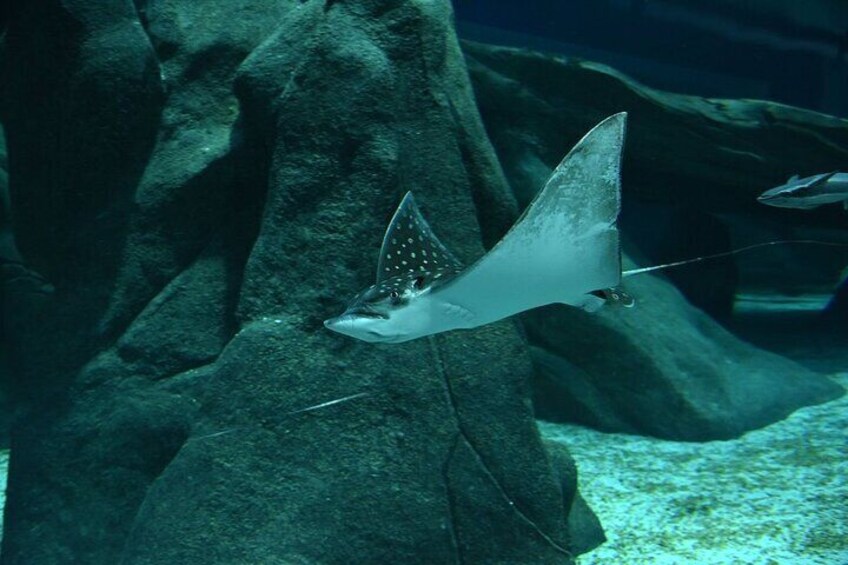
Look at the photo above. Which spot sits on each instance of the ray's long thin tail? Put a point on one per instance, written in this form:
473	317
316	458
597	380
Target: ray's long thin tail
642	270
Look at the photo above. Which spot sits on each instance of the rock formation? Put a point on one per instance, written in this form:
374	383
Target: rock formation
203	185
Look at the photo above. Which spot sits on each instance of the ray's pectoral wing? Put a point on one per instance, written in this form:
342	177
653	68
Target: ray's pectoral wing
410	245
564	246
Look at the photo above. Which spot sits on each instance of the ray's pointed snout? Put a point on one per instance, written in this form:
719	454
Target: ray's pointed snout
341	324
331	323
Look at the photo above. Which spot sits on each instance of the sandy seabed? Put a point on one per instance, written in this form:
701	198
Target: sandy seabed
776	496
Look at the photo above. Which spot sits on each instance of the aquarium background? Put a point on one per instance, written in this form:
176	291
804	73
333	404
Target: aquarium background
188	189
781	50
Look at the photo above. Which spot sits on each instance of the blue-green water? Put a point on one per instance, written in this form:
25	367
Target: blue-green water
648	366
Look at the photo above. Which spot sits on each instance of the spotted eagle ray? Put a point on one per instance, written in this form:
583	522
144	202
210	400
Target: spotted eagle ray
563	249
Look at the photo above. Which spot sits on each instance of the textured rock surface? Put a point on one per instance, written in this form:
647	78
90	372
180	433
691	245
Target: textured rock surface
663	368
217	183
389	472
583	524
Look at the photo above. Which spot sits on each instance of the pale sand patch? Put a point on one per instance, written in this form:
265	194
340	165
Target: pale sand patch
775	496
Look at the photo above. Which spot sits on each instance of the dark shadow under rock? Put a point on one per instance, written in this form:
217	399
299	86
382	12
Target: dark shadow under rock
81	106
836	312
79	469
584	527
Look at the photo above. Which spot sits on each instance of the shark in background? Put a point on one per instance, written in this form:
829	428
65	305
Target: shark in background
563	249
809	192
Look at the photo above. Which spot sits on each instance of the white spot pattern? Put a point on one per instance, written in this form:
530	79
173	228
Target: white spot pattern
408	241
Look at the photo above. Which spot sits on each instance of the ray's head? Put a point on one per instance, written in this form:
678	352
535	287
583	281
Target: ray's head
412	263
392	311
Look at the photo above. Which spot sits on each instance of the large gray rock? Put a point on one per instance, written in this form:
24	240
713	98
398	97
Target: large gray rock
410	470
662	368
220	181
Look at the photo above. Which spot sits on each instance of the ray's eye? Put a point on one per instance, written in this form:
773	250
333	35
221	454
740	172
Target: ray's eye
394	296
